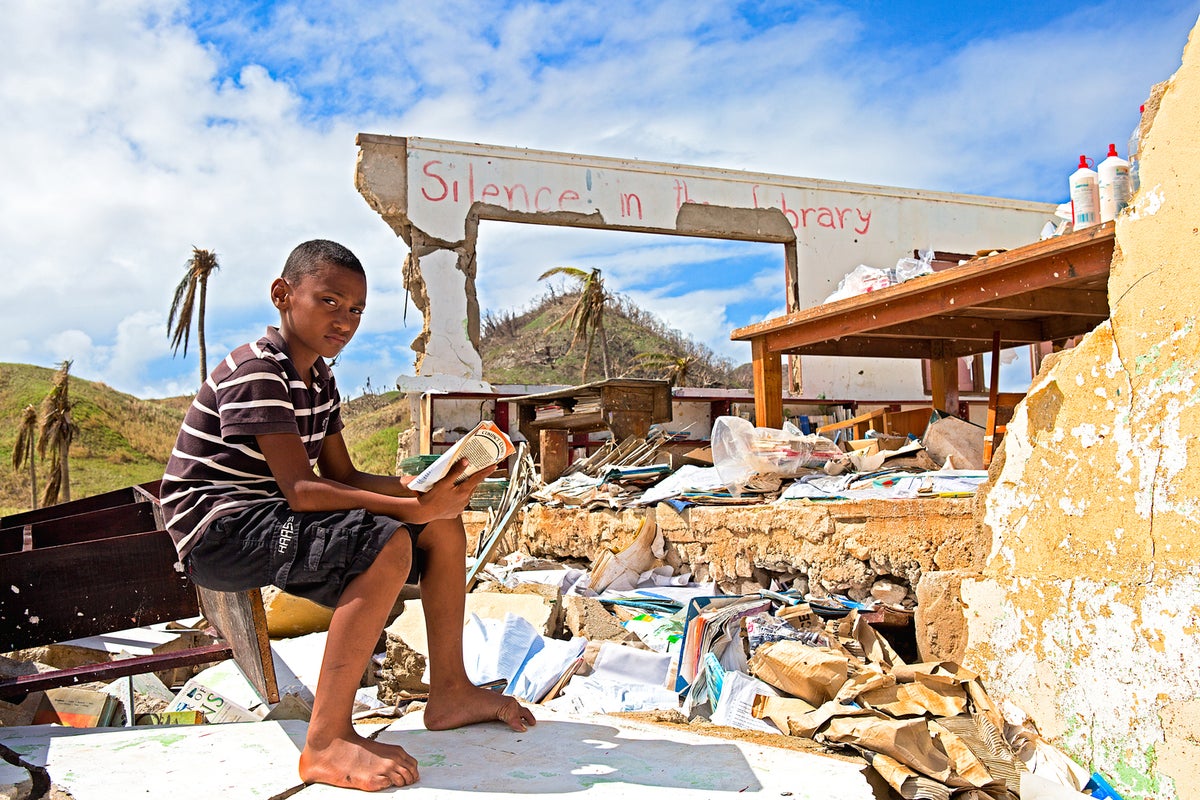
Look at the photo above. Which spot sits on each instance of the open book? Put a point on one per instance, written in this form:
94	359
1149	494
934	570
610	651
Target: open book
485	445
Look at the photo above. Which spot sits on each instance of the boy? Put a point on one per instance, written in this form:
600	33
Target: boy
246	509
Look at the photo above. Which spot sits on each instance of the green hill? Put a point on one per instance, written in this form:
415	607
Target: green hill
521	348
124	440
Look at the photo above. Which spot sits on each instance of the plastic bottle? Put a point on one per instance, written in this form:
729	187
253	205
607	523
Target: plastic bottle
1115	187
1135	156
1085	196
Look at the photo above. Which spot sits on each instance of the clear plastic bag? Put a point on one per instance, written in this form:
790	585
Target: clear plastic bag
860	280
863	279
908	268
743	453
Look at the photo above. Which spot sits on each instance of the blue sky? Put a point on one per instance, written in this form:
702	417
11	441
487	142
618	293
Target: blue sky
135	129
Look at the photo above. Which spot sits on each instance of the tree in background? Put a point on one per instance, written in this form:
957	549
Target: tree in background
674	368
23	450
179	323
586	314
58	429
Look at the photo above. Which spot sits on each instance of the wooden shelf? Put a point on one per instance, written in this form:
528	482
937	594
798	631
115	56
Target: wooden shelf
593	421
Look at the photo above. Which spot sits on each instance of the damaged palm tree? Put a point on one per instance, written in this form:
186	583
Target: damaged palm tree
586	315
57	432
190	296
677	369
23	450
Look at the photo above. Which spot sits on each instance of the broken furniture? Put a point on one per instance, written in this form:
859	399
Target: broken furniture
625	406
104	564
888	421
1048	291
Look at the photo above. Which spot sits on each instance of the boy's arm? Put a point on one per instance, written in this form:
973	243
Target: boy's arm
335	463
307	491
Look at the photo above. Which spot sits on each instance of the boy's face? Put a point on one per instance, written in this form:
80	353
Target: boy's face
320	313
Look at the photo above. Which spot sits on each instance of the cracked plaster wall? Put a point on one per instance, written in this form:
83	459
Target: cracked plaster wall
1088	611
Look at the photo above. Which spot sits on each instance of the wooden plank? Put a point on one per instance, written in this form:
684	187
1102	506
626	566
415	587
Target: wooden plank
12	540
111	670
768	385
942	326
555	454
76	590
102	524
1088	302
241	620
863	347
1073	258
117	497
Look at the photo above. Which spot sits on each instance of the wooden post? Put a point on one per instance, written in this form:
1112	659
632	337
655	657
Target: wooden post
555	453
943	380
425	445
768	385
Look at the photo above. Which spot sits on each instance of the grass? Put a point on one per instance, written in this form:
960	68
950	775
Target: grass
124	440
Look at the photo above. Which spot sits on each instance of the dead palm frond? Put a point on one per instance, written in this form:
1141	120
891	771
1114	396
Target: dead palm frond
24	448
190	296
586	315
674	368
57	432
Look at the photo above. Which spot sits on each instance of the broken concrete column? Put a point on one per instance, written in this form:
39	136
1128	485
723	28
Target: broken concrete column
587	617
1087	611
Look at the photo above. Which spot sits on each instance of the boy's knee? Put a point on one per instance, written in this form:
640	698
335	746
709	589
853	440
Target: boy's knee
397	554
444	533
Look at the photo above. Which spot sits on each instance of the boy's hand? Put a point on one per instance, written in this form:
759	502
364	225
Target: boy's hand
447	498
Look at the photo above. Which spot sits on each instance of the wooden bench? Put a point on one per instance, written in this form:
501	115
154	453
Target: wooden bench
105	564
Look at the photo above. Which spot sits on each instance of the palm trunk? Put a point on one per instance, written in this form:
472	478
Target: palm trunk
603	349
587	356
200	329
64	469
32	475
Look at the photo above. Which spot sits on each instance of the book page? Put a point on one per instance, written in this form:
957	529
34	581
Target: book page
485	445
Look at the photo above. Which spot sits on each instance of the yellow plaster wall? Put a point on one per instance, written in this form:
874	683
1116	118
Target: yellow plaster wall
1088	614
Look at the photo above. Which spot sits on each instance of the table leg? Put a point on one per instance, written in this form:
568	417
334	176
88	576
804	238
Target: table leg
555	453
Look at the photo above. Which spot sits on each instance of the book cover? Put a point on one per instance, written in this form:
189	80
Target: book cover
484	446
75	708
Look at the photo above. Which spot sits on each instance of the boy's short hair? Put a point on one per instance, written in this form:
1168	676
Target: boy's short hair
309	256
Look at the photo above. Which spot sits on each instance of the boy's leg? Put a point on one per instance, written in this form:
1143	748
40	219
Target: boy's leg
453	700
333	752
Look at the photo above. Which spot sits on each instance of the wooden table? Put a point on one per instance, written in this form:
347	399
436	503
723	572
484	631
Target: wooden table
626	406
1048	291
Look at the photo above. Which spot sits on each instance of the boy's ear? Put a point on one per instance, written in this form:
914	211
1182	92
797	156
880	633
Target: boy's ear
280	291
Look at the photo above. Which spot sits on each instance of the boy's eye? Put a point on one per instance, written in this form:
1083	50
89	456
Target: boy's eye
358	311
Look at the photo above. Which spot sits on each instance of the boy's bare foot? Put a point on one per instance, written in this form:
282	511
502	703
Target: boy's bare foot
453	708
357	763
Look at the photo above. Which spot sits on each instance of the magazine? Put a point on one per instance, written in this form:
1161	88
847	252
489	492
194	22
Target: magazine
485	445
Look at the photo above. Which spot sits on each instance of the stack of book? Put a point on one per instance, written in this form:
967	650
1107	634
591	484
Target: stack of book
587	404
549	411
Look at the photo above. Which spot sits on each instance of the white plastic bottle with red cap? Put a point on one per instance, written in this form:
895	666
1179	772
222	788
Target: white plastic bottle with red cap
1085	196
1115	185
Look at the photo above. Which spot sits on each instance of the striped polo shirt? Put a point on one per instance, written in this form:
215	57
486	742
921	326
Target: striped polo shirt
216	467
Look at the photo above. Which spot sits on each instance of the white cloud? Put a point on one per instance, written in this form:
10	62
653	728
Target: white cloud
135	129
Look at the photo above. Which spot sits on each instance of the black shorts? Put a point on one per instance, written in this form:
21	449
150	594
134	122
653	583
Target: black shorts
312	555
